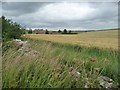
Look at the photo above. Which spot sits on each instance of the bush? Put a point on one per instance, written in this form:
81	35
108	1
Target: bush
10	30
30	32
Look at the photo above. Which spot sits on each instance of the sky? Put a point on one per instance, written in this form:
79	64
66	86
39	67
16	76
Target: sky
61	15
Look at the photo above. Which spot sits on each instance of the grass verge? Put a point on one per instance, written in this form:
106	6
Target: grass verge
55	65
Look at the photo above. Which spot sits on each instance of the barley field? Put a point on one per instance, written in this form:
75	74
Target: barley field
101	39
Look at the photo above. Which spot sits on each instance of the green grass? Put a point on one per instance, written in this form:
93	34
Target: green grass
51	66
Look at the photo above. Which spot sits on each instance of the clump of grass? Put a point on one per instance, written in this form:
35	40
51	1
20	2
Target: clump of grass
58	66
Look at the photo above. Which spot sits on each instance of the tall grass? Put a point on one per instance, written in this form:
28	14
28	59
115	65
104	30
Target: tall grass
56	65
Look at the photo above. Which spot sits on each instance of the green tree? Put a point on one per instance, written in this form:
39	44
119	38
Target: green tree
30	31
65	31
59	31
70	31
46	32
10	30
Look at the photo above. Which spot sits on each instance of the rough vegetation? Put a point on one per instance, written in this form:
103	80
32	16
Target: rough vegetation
54	65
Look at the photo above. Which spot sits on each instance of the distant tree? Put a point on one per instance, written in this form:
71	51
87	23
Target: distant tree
70	31
65	31
46	32
24	30
30	31
59	31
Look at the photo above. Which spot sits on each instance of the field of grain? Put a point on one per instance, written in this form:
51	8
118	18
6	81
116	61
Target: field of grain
102	39
62	61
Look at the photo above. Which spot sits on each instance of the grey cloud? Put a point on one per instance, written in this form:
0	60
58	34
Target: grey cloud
46	15
61	0
21	8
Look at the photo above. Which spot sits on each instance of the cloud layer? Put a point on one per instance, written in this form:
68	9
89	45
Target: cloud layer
62	15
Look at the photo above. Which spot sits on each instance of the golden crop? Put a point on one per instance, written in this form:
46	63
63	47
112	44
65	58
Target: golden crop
102	39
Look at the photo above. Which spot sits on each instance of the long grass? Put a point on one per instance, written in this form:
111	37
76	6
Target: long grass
55	65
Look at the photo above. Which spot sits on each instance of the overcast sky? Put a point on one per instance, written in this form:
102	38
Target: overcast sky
60	15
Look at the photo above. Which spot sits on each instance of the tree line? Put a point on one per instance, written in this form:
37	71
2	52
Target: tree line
50	32
61	32
13	30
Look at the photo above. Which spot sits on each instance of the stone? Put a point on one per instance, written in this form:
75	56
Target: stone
105	82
